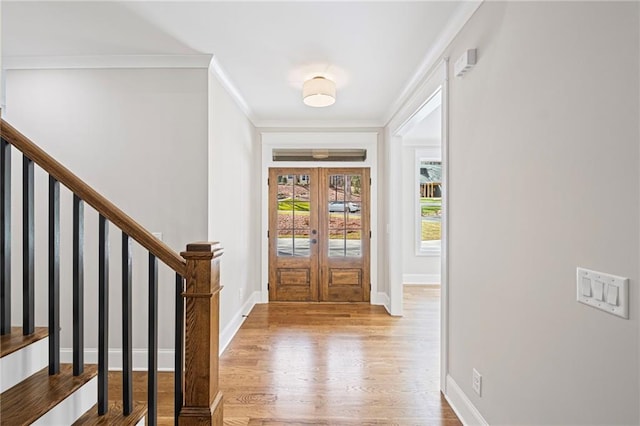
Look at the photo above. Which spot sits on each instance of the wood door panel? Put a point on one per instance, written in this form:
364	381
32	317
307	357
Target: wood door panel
348	293
339	277
295	277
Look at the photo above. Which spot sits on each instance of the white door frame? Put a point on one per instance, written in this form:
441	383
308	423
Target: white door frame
358	140
404	119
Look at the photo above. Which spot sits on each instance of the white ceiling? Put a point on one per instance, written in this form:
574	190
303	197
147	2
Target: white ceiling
372	50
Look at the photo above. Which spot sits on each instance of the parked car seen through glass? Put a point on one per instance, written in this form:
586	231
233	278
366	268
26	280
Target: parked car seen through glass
340	206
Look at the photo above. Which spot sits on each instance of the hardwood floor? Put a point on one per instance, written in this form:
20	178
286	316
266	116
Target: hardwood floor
337	364
329	364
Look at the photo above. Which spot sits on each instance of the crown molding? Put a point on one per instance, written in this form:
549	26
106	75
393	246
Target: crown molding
450	31
105	61
221	75
324	129
320	124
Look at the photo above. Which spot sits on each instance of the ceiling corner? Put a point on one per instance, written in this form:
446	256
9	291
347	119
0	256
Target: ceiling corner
450	31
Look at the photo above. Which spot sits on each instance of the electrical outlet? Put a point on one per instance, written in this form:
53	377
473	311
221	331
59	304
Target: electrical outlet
476	382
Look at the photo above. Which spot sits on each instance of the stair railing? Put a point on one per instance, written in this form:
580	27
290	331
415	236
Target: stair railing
197	396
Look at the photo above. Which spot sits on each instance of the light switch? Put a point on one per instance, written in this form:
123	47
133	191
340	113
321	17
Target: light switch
612	295
598	290
585	286
603	291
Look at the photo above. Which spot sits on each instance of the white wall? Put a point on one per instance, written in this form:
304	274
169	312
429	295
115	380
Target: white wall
139	137
234	203
544	177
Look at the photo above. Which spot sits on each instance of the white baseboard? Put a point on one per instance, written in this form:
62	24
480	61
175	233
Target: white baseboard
383	299
419	279
166	357
462	405
21	364
232	328
139	358
72	407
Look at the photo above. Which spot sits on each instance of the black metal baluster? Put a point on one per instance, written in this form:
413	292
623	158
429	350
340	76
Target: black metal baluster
127	382
179	348
153	341
103	316
78	286
5	237
54	276
28	248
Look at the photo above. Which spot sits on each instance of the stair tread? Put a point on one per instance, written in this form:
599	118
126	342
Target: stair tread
10	343
30	399
114	416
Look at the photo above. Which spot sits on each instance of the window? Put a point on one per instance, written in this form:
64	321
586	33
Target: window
429	205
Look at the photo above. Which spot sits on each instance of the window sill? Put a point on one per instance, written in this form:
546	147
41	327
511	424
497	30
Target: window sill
429	249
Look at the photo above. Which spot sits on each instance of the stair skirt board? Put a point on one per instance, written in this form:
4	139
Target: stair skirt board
72	407
21	364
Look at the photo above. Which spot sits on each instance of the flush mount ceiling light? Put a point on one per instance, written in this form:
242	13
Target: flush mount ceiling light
319	92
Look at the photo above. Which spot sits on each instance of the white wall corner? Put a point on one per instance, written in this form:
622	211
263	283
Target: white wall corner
462	405
383	299
221	75
420	279
227	334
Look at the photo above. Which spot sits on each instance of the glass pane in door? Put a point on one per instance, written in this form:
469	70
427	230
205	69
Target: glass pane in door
301	213
345	223
293	215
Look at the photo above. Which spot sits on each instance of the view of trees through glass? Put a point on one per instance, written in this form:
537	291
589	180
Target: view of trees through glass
344	215
345	225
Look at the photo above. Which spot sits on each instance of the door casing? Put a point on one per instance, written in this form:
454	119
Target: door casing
366	139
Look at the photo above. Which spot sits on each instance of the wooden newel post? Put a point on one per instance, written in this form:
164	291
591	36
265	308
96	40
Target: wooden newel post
202	397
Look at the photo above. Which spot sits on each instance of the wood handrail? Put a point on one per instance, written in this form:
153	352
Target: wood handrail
105	207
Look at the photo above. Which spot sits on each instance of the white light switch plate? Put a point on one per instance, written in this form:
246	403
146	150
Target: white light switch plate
603	285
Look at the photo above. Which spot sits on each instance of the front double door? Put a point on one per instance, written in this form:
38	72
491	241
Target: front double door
319	234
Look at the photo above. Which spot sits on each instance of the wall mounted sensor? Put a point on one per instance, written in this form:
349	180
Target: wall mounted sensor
465	62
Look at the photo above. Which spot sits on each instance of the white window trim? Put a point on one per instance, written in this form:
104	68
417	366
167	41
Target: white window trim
432	153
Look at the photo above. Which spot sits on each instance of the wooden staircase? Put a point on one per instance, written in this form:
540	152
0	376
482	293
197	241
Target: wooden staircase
36	387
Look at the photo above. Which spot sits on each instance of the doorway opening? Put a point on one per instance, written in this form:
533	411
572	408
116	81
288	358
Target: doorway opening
418	141
422	196
319	234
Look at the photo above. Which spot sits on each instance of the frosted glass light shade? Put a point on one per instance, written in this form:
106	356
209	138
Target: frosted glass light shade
319	92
